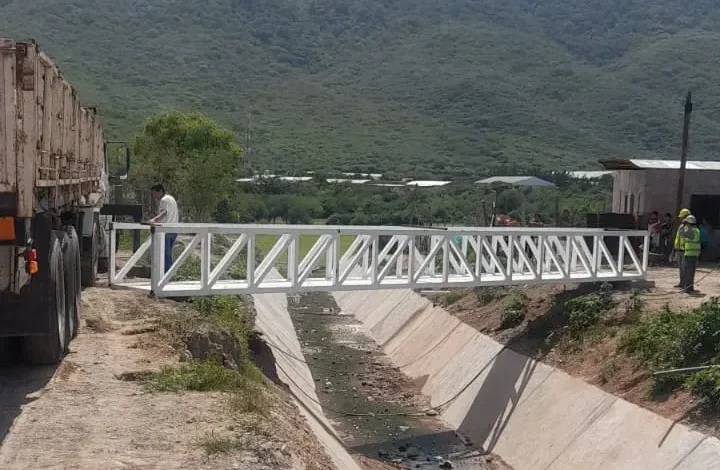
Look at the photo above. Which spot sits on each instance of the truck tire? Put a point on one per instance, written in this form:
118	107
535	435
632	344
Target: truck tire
49	349
73	280
91	256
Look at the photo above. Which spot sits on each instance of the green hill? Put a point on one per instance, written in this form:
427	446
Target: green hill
418	88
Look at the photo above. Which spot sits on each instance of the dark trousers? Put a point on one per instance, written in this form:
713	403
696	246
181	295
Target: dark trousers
679	256
687	281
169	242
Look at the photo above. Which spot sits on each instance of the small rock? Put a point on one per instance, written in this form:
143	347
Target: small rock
403	428
383	454
447	465
402	449
431	413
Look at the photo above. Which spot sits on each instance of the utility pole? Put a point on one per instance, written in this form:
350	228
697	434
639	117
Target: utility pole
683	153
248	141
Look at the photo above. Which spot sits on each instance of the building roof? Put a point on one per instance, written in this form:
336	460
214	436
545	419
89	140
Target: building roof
375	176
588	174
427	184
517	181
638	164
346	180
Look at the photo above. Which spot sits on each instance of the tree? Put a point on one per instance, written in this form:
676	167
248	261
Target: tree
195	158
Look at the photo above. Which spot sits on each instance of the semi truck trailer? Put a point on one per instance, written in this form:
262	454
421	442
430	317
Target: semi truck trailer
54	195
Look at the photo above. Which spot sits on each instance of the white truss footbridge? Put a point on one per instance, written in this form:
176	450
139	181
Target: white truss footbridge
221	259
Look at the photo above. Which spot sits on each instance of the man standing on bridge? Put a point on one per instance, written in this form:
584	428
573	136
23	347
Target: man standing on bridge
167	214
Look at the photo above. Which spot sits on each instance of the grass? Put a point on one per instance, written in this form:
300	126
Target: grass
265	242
125	239
198	376
214	444
246	386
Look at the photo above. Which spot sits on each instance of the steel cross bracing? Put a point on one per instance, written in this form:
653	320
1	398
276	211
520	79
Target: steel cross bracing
215	259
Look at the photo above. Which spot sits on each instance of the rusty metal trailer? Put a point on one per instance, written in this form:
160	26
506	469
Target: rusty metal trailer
53	185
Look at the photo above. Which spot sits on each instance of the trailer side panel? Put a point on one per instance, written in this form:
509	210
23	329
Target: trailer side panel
51	151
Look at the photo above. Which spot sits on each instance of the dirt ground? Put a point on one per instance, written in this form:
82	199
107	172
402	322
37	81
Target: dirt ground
598	360
84	415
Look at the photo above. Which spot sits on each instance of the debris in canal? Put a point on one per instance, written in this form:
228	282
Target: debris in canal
377	410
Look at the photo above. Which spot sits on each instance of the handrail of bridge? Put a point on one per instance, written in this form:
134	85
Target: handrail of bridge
228	259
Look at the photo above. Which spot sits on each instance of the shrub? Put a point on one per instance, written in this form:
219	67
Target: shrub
485	295
586	311
451	297
706	386
676	339
514	309
633	309
660	340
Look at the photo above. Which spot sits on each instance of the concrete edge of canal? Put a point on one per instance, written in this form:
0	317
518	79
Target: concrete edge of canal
531	415
274	322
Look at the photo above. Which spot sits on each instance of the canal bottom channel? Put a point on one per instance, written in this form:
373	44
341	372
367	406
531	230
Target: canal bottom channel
377	411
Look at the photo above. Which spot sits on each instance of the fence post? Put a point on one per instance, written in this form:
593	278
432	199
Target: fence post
621	255
112	269
205	260
250	260
157	260
374	261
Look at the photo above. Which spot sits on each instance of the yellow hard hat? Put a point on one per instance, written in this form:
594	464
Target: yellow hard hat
684	213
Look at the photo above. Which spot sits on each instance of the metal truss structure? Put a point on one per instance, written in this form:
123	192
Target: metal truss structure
218	259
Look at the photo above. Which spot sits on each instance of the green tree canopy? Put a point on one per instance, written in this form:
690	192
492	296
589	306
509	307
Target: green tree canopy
196	159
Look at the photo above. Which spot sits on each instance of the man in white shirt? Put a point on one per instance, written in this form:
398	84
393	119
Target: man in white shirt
167	214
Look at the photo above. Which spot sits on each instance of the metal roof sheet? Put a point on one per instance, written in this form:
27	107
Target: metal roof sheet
644	164
427	184
517	181
589	174
346	180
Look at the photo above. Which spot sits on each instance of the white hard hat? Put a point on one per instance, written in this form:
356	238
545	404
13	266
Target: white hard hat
690	220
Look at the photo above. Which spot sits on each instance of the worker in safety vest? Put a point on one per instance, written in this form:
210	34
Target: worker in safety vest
678	244
689	235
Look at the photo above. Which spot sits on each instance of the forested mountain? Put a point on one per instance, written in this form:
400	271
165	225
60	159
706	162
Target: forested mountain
421	87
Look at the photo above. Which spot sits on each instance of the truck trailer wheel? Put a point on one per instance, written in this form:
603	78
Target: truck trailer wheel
73	281
49	349
90	256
